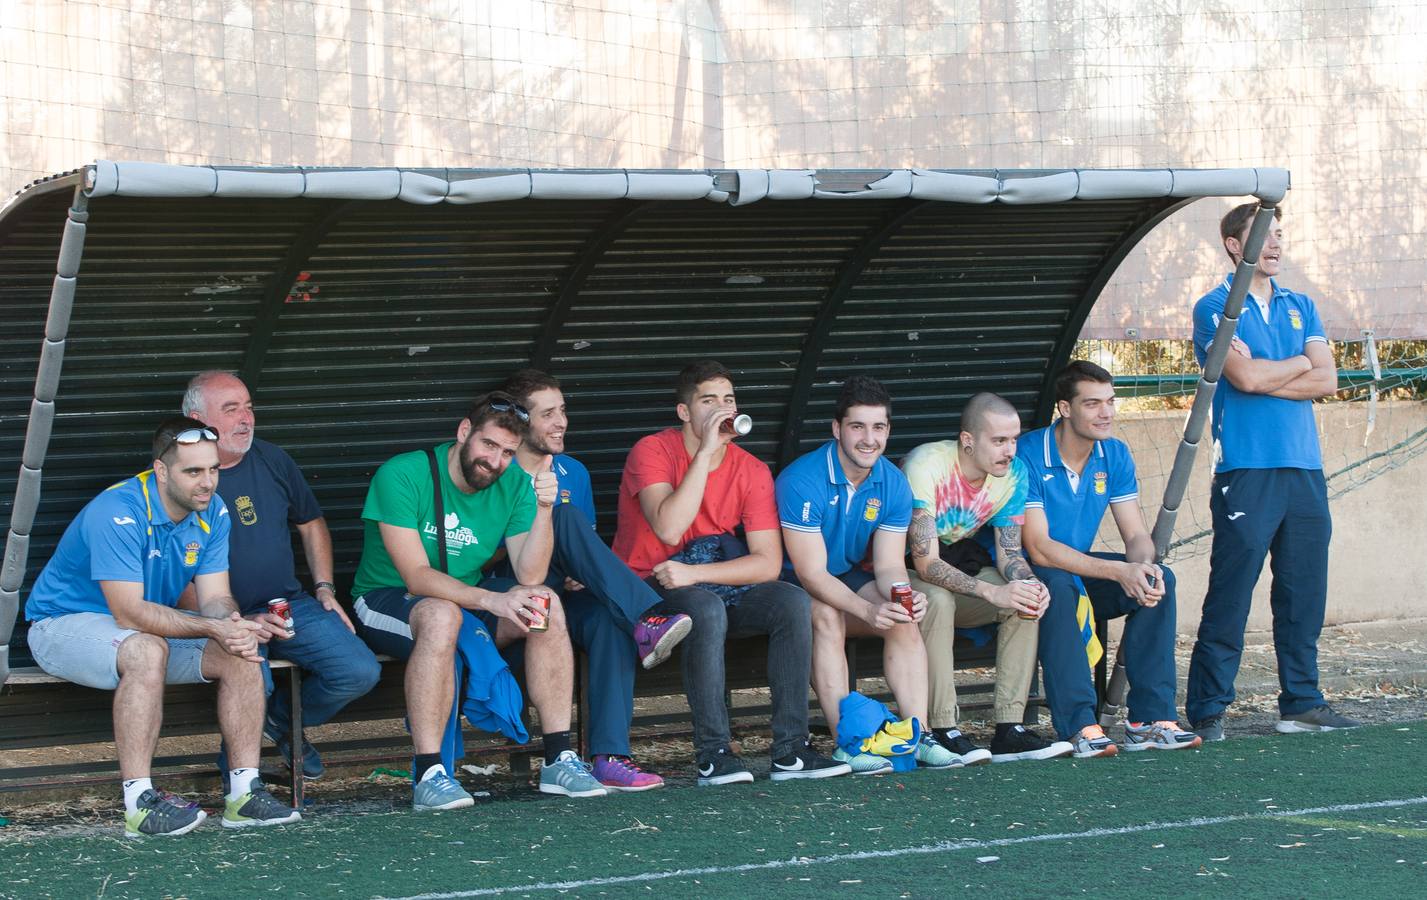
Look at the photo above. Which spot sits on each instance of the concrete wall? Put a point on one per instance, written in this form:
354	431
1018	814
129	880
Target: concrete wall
1335	90
1375	561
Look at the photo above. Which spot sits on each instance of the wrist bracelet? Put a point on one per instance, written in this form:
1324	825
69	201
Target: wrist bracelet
324	584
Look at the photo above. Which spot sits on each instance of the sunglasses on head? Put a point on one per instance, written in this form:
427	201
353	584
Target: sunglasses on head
190	436
510	406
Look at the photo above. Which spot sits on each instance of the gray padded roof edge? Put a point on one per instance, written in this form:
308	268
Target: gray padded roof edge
736	187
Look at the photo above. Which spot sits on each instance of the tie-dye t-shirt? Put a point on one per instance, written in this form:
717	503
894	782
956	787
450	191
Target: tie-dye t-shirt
934	472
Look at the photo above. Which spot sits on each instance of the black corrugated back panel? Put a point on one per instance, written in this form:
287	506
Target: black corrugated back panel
960	300
742	286
405	312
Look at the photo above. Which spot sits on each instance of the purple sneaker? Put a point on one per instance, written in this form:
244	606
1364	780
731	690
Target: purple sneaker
619	773
657	636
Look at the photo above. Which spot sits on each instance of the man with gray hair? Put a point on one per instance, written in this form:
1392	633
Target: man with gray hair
265	493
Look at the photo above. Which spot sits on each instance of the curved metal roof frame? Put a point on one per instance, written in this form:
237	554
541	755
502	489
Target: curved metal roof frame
365	306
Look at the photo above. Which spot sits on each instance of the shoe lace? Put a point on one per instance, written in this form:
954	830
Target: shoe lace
1092	733
164	797
1169	725
624	764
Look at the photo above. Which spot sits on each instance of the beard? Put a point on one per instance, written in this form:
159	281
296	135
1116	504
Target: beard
478	475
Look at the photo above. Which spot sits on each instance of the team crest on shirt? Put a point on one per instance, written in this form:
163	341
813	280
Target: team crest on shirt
1295	319
1100	478
874	506
246	513
190	554
564	496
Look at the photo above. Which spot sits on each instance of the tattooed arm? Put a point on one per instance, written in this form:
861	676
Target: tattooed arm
1010	561
926	558
932	569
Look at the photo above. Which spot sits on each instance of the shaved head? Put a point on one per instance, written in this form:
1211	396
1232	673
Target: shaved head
980	409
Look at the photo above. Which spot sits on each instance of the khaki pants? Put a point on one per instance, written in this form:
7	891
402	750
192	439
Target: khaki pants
1015	650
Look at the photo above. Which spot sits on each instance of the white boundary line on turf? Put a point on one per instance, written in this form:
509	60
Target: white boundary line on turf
939	847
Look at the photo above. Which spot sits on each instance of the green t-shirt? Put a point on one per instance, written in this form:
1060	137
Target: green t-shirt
400	494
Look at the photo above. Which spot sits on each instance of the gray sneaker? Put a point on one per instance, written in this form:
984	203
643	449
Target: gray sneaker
161	813
440	791
1319	718
570	776
1209	728
257	808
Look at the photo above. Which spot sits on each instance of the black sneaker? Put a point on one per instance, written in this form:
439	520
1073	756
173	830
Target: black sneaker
722	767
967	753
805	762
1210	728
1319	718
1016	742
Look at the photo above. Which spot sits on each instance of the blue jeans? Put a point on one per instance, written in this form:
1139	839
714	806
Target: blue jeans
1283	512
1149	649
775	608
337	667
580	554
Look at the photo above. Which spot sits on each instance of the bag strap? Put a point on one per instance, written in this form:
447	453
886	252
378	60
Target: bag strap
440	512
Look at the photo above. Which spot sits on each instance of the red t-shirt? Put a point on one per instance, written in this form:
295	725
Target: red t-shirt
738	492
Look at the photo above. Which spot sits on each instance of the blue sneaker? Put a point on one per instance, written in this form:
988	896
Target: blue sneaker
312	768
570	777
440	791
863	763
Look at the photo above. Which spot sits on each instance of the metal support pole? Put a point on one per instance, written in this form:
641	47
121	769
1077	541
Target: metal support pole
37	434
1114	701
297	739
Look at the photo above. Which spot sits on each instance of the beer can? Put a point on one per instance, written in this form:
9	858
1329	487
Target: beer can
540	621
739	424
1028	616
279	606
902	593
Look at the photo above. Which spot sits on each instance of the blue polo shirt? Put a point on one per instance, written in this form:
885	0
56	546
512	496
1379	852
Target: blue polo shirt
124	535
1256	431
575	488
814	496
1074	511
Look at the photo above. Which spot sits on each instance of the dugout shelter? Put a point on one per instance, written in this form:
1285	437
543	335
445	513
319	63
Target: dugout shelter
365	307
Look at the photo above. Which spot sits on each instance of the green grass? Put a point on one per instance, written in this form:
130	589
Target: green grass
932	826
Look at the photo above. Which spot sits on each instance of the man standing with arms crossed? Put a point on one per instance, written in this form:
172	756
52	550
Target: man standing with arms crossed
960	487
692	484
838	505
411	605
1076	471
103	614
1269	495
264	491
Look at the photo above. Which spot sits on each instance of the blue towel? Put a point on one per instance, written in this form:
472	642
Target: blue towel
486	693
859	718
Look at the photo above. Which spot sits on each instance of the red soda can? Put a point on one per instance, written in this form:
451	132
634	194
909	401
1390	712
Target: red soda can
902	593
540	621
279	606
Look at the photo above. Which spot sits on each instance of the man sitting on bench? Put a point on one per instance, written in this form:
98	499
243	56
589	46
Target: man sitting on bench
683	493
265	491
839	505
607	607
103	614
411	596
961	486
1077	471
